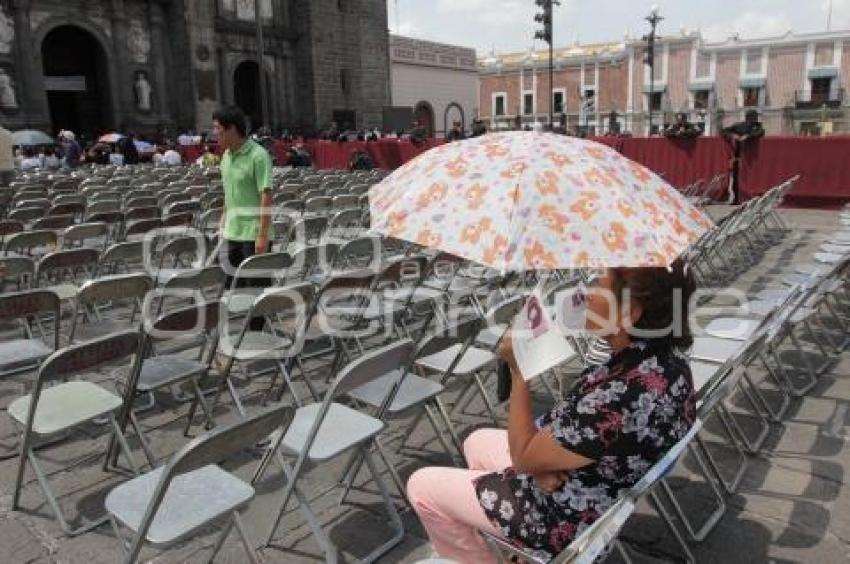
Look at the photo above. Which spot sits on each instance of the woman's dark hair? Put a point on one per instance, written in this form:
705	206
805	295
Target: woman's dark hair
664	295
232	116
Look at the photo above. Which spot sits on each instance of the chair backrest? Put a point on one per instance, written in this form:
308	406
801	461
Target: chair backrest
80	233
207	278
363	253
296	297
197	317
10	227
26	215
54	222
142	226
128	252
115	287
70	261
30	240
264	266
178	220
143	212
16	267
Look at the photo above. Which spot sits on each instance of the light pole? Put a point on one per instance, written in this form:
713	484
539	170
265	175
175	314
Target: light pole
654	18
261	62
545	17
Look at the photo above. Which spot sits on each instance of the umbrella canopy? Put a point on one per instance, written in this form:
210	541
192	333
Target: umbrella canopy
536	201
110	138
31	137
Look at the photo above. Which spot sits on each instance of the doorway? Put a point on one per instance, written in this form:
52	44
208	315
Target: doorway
77	80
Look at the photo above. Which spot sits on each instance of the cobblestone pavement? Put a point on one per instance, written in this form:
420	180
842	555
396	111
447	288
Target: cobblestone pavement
793	505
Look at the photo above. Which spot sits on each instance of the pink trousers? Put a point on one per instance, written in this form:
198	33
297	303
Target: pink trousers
446	502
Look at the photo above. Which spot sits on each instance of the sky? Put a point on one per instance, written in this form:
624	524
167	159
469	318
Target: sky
507	25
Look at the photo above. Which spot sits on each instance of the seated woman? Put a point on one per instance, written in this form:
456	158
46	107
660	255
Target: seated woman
541	483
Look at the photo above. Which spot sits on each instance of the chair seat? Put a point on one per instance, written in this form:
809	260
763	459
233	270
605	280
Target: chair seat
712	349
187	504
257	345
65	291
473	360
838	249
413	391
829	258
761	308
161	371
491	336
773	295
796	279
421	294
736	328
22	352
807	268
342	429
64	406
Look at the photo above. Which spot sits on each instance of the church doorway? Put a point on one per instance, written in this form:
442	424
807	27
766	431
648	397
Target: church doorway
76	80
246	93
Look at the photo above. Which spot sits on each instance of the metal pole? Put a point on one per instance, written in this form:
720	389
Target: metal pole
551	87
651	75
261	62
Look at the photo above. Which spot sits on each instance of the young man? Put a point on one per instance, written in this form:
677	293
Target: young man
246	172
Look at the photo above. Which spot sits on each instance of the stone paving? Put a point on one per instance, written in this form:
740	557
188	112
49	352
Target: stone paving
793	505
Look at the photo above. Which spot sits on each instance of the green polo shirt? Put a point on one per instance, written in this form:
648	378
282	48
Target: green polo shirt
246	174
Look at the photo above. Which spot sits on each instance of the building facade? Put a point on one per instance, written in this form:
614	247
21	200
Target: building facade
438	82
149	65
798	83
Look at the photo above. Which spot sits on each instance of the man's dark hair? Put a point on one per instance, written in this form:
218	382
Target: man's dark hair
232	117
752	114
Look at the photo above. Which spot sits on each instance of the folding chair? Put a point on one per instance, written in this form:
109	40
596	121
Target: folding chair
62	272
19	355
31	243
251	278
140	228
176	255
61	408
92	235
9	227
160	370
165	505
284	311
323	431
126	256
16	270
95	296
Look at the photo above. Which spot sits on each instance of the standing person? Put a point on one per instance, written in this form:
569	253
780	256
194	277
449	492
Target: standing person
246	172
456	133
71	149
739	133
172	157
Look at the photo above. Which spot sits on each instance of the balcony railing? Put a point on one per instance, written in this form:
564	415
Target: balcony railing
814	99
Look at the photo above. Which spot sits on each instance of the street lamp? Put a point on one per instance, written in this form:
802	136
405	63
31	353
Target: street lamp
654	18
545	17
261	60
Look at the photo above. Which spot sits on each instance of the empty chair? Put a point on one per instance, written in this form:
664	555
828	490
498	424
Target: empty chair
9	227
63	271
56	222
251	278
31	243
178	220
100	206
104	295
321	432
187	206
166	505
141	202
26	215
317	206
24	353
177	255
16	270
345	225
93	235
74	209
126	257
50	410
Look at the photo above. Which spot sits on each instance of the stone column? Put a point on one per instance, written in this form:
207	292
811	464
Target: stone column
122	77
160	64
32	97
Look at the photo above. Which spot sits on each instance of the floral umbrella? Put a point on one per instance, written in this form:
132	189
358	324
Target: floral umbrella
110	138
536	201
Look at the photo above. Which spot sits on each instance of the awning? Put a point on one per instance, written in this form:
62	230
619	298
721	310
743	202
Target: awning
656	87
698	85
752	81
823	72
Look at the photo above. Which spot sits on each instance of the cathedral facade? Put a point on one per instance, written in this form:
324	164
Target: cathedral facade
153	65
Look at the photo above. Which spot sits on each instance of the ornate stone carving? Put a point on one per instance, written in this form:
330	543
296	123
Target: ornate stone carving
138	42
8	96
7	32
143	92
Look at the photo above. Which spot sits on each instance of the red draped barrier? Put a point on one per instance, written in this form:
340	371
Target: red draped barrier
823	164
386	153
680	161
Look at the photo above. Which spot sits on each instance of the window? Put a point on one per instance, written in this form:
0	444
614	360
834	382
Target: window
499	102
754	61
655	101
751	96
820	90
527	104
558	102
701	99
